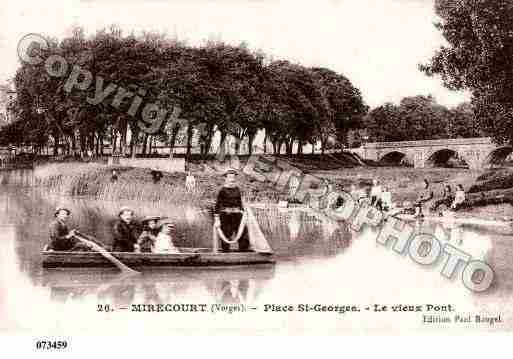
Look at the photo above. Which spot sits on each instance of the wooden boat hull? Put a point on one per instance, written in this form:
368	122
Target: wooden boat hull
55	259
91	277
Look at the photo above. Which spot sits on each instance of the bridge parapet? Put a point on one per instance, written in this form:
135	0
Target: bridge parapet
474	151
431	143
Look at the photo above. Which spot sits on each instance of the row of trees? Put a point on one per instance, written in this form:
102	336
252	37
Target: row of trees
477	57
228	89
421	118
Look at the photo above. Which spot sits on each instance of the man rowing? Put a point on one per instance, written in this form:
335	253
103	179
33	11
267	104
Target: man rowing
228	214
125	232
61	238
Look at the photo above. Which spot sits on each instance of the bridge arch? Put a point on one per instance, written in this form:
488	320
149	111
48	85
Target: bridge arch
394	158
498	156
445	157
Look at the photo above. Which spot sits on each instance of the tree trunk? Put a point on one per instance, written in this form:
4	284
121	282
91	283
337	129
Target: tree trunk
208	142
97	147
133	142
189	141
145	143
172	141
113	142
251	138
73	144
275	147
238	141
55	144
101	145
222	149
289	145
122	143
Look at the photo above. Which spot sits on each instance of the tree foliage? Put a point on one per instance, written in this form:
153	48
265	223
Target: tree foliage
420	118
477	57
228	89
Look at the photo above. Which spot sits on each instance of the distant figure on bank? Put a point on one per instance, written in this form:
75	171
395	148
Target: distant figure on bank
156	175
228	213
125	232
447	199
190	182
425	195
114	176
386	199
147	238
294	183
357	192
459	198
164	240
375	193
61	238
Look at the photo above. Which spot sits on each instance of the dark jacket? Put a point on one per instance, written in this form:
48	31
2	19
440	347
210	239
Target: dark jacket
125	236
58	240
147	240
228	197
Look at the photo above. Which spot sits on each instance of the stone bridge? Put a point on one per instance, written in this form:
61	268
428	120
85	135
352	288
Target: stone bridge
477	153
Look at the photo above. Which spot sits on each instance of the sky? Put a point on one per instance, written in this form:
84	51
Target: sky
377	44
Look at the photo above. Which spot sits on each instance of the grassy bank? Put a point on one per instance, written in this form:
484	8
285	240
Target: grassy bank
136	184
79	179
94	180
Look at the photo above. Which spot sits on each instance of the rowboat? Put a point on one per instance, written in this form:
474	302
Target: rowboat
188	257
90	277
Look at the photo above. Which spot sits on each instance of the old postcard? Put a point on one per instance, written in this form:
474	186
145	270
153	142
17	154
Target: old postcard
255	167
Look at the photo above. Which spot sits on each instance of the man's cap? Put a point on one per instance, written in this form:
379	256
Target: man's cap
125	209
61	208
231	171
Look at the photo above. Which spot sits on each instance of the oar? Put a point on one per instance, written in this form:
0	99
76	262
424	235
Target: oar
105	253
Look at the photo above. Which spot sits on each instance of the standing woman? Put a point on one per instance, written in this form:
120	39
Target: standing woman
228	213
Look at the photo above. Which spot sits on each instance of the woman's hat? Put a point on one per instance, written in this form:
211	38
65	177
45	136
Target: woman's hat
151	218
166	222
230	171
58	209
125	209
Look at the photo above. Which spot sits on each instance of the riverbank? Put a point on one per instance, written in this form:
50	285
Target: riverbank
136	184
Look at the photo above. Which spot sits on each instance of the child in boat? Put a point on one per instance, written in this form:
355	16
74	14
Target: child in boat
149	234
164	240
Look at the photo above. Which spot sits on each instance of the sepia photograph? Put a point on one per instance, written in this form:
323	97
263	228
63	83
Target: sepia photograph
255	167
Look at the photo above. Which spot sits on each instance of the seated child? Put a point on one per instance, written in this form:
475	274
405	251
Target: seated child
146	240
164	240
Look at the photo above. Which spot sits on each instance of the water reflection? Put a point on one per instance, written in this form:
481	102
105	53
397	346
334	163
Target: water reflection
227	285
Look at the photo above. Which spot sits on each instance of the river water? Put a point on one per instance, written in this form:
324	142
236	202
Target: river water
316	264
